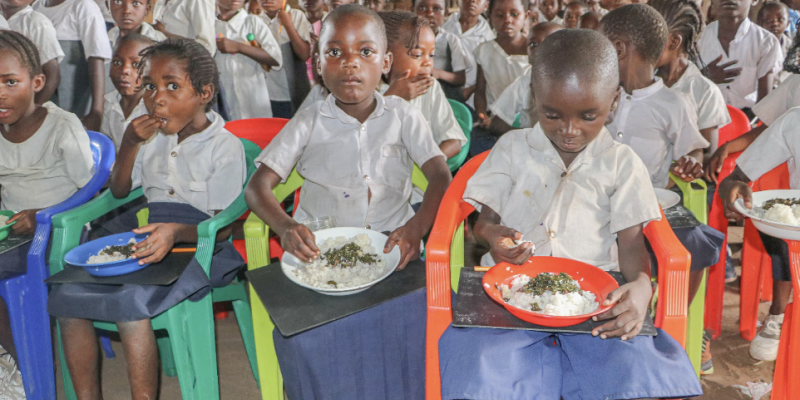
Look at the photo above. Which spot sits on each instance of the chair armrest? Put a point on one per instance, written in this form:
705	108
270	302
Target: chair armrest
694	199
256	239
208	229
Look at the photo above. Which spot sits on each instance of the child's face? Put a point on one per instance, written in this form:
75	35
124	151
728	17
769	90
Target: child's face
230	5
15	4
124	71
572	14
775	20
536	37
352	59
128	14
532	15
572	112
313	6
590	21
508	17
431	10
375	5
473	7
594	5
169	94
548	8
271	5
419	61
732	8
332	4
17	88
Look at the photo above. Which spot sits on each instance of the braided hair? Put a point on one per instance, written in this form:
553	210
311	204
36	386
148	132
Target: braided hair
397	23
640	25
25	50
685	18
200	65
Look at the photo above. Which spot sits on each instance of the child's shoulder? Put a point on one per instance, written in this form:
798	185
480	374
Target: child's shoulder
60	119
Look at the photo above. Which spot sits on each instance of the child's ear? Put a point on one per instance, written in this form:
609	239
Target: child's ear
38	82
674	42
615	102
208	93
387	62
621	48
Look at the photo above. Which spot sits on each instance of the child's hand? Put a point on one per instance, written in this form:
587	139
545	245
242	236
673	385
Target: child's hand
687	168
484	121
410	87
722	73
285	18
25	222
160	242
632	301
142	128
227	46
159	26
408	238
729	191
299	240
502	247
714	164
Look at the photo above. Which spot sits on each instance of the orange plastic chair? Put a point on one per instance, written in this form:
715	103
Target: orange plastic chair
787	366
260	131
673	260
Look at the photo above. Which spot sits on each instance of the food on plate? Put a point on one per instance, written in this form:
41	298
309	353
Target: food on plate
3	220
113	253
785	211
549	294
344	263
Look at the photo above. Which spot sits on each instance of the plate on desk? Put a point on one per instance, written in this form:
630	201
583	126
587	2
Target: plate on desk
667	198
780	230
79	256
5	229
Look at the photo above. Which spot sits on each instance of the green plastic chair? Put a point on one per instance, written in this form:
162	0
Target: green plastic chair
464	118
516	123
189	348
256	236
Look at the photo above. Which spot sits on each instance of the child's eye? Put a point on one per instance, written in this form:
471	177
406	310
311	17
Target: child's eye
117	2
12	82
551	116
135	65
514	14
172	86
149	86
367	52
334	52
589	118
116	63
137	3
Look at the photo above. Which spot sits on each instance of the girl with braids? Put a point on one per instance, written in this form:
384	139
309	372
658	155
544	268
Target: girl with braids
412	43
190	168
43	149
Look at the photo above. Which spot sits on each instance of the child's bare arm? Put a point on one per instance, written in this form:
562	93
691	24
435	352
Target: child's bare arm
480	93
408	236
714	164
138	131
733	187
98	81
458	78
500	238
257	54
632	298
765	85
295	238
450	148
300	46
52	78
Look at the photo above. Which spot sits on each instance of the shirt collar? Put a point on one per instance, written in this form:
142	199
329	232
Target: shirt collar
539	142
237	21
114	98
217	125
20	13
329	109
644	92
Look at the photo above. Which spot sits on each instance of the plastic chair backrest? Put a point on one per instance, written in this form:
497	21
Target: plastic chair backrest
464	118
739	125
260	131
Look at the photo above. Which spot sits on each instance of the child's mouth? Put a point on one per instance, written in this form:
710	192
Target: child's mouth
4	112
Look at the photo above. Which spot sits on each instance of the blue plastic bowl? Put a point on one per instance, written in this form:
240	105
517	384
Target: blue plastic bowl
5	229
80	255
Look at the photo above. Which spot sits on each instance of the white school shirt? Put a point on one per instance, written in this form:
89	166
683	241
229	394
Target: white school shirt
147	31
277	82
555	20
317	93
471	39
3	23
459	59
79	20
47	168
777	144
706	100
516	99
158	9
40	30
659	125
437	111
780	100
114	120
758	52
242	78
343	161
104	9
499	68
193	19
206	170
572	212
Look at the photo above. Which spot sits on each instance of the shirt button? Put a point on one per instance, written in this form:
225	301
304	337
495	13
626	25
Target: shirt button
619	134
563	174
552	234
367	227
171	192
366	178
628	97
363	128
174	154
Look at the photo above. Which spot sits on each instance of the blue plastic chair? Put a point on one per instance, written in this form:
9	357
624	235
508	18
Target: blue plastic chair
26	295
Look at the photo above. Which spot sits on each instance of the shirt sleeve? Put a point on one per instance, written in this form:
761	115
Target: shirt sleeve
634	200
202	14
75	149
459	58
267	41
285	149
771	57
712	110
136	172
778	101
417	136
684	135
3	23
771	148
43	35
510	103
230	172
301	24
492	183
442	120
92	31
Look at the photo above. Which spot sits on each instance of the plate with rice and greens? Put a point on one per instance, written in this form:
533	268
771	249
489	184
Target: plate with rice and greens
5	227
774	212
351	260
107	256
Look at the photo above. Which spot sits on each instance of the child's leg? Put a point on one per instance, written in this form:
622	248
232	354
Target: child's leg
7	339
781	294
141	353
81	352
695	279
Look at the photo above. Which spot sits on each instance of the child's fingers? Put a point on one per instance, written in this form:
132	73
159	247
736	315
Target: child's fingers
632	329
157	256
144	252
146	229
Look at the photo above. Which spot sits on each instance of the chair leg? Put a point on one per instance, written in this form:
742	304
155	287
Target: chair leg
179	332
781	378
751	282
694	328
269	371
165	353
105	341
203	348
69	389
245	320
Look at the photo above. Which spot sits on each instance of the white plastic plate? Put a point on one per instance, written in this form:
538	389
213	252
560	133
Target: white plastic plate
772	228
667	198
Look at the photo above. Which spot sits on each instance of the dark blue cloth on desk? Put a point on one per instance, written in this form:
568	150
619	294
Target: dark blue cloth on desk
14	262
508	364
119	303
375	354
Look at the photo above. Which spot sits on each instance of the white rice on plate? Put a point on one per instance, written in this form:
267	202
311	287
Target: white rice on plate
4	219
320	273
781	213
548	303
106	255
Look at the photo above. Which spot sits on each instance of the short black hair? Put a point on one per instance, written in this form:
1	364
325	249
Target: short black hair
640	25
200	66
402	25
685	18
135	38
25	50
581	53
493	2
772	4
577	3
354	9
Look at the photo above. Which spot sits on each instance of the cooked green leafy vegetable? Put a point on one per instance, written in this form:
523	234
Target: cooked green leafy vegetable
787	202
125	249
348	255
561	283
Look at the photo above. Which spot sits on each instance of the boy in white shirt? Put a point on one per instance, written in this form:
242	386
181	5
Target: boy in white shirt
192	19
240	63
129	18
473	29
741	56
40	30
548	11
774	17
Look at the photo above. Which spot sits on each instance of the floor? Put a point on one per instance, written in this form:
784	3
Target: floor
733	364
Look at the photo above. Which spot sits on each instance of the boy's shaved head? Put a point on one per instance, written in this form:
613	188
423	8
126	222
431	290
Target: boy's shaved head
640	25
349	11
580	54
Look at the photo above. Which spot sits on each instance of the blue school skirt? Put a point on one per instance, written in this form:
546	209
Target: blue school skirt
506	364
376	354
703	242
136	302
14	262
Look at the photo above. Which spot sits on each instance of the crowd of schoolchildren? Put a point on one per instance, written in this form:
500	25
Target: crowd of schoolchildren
585	106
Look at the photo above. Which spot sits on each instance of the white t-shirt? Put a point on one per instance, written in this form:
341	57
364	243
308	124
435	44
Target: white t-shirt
757	51
459	59
39	29
499	68
471	39
206	170
114	121
572	212
516	99
659	125
147	31
437	111
242	78
47	168
777	144
193	19
780	100
3	23
277	82
79	20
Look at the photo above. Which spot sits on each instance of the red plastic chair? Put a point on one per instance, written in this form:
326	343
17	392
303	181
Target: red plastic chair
787	367
260	131
673	259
